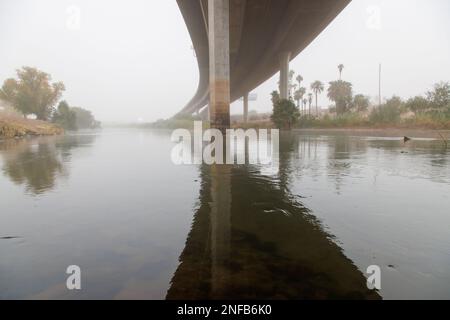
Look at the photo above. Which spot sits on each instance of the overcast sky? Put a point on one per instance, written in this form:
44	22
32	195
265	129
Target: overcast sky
130	60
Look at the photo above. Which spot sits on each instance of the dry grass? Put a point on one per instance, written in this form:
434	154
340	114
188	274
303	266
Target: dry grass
12	126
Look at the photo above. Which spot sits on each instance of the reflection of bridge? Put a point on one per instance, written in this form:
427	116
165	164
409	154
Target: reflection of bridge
252	239
241	43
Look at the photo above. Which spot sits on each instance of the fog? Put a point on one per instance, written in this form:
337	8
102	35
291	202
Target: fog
132	61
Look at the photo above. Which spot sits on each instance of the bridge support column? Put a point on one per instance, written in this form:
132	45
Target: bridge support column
285	57
219	63
245	107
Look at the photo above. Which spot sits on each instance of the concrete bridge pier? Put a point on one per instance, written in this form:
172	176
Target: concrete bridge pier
219	63
285	58
245	107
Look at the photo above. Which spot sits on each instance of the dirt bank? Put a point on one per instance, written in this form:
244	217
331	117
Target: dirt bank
16	127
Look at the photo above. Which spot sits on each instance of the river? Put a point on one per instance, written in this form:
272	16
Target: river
141	227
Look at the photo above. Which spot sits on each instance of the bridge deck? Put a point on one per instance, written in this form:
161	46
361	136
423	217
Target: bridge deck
259	31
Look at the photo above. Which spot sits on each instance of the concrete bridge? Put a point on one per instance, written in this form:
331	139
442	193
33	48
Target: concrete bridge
239	44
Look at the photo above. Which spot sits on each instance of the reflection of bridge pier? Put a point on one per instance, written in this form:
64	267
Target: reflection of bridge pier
220	228
251	239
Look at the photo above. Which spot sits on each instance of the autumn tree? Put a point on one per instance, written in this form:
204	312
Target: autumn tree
32	92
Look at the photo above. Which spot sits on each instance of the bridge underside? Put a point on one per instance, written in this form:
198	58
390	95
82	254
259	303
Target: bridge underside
260	31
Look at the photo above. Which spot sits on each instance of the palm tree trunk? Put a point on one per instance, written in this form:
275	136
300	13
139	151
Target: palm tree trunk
317	108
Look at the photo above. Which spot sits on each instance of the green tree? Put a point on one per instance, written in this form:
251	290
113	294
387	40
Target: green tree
342	94
65	117
85	119
32	92
417	104
361	103
440	96
388	112
298	96
285	114
275	97
317	87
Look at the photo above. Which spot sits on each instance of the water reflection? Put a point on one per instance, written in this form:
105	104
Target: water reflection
295	230
252	239
38	163
344	159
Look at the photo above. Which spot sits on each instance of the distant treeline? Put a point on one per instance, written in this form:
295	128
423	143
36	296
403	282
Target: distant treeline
74	118
429	111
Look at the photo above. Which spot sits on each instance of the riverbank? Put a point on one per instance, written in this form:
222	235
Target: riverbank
424	122
16	127
381	131
443	135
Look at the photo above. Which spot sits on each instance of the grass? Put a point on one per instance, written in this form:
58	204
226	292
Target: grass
344	121
424	121
12	126
377	120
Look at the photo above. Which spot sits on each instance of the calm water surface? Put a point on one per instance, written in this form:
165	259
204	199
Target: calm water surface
141	227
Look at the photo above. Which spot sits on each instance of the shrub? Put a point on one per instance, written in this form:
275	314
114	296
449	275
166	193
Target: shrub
417	105
388	112
285	114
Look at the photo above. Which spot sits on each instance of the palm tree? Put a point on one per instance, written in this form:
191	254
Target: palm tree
317	87
340	67
305	101
341	93
298	96
310	99
299	80
291	84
